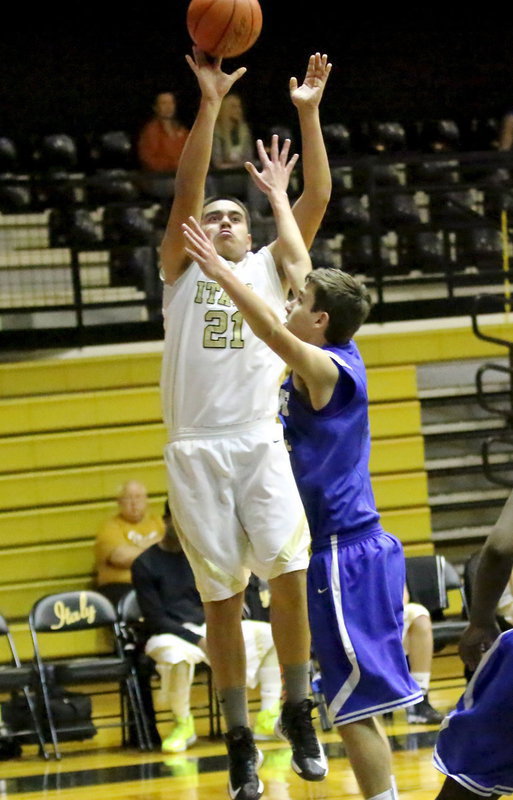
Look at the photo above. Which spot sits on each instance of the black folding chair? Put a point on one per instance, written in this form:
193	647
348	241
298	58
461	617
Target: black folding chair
81	611
130	617
17	677
429	579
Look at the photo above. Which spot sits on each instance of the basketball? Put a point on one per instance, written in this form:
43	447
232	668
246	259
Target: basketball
224	28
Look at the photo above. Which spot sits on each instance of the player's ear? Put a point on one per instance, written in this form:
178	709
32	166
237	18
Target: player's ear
250	243
322	320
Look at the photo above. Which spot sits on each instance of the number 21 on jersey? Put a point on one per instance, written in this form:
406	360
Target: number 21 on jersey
223	329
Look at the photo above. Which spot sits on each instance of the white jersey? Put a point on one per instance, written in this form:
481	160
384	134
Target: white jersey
216	374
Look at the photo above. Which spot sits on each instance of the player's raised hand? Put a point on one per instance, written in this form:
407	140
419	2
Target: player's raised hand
276	168
201	249
311	90
213	82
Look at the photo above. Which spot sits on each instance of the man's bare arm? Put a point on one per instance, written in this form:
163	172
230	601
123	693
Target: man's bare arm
492	576
194	163
312	364
311	206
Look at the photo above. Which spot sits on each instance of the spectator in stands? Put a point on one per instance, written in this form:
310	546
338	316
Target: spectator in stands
123	537
160	146
233	146
418	646
233	140
162	138
174	625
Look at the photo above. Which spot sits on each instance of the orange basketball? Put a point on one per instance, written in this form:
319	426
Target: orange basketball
224	28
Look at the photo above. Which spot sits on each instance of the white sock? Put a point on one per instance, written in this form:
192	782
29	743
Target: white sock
388	795
422	678
269	678
393	786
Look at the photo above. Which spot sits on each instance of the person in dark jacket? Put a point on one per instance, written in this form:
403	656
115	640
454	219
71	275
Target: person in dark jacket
174	629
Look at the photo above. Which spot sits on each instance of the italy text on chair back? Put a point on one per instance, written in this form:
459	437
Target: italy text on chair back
79	660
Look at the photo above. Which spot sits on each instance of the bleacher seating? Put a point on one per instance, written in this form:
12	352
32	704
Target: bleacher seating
404	215
73	429
394	182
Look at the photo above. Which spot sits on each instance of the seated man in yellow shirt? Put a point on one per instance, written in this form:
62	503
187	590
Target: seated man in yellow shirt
122	538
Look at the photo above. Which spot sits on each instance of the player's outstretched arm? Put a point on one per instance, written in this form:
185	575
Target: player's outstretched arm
310	362
311	206
289	250
194	163
492	575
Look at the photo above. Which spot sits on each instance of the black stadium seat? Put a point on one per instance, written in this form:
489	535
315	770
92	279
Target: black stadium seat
113	150
439	135
337	137
8	155
56	151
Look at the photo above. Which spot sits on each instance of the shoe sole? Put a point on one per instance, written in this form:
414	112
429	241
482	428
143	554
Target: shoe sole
187	744
312	778
235	795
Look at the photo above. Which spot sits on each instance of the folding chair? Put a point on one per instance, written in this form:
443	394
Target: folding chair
429	579
15	677
318	694
130	615
81	611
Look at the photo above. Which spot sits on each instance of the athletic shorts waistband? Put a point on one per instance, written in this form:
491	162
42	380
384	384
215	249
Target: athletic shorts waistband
260	425
347	538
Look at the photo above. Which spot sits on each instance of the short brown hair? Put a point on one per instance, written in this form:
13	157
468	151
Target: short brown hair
344	298
215	197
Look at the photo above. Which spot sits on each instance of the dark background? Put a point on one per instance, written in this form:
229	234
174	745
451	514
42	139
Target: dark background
87	68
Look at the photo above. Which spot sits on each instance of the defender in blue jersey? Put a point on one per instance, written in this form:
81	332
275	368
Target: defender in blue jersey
356	574
474	748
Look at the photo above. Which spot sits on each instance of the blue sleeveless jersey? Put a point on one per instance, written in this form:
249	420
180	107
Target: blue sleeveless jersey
329	451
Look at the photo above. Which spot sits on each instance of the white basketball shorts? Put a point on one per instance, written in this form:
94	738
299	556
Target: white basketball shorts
236	508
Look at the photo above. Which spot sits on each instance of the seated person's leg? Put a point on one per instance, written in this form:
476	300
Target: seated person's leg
418	646
263	669
175	660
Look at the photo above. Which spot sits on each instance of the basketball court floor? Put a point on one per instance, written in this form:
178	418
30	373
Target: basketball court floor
101	770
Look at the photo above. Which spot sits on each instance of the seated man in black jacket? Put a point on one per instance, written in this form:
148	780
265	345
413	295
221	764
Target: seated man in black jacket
174	625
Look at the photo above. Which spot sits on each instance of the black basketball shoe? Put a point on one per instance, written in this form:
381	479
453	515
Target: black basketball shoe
423	712
295	726
243	761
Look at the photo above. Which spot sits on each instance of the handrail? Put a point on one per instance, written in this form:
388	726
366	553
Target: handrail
478	301
506	437
481	394
486	448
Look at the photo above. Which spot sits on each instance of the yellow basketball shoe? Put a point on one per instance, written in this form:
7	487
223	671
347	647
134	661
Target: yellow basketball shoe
265	723
182	735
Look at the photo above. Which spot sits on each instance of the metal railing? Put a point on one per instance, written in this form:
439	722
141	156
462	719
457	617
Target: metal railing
495	450
79	253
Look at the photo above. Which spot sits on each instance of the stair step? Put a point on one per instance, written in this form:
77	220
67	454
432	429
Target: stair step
466	426
473	498
446	393
459	534
466	462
